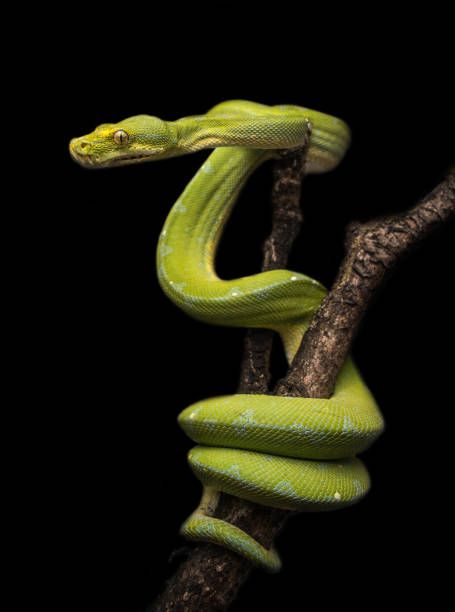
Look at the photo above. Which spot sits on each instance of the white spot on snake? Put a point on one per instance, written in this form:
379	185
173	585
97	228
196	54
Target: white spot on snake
179	286
242	422
337	495
304	430
245	417
347	424
284	487
358	487
210	424
180	207
163	233
194	413
194	461
233	470
234	292
165	249
293	278
207	168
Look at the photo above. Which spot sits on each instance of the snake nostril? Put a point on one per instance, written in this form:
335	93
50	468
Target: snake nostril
83	145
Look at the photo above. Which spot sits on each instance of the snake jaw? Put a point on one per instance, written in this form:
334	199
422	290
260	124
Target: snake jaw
82	151
132	158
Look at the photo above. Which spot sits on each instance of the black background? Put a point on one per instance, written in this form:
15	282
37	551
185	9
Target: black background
124	361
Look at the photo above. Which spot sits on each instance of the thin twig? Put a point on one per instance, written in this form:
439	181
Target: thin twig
211	577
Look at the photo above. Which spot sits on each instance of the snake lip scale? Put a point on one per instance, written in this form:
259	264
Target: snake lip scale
285	452
89	161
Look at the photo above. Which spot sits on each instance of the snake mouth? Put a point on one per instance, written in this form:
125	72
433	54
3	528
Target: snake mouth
130	159
92	161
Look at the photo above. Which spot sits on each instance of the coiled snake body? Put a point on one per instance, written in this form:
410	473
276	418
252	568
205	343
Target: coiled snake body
285	452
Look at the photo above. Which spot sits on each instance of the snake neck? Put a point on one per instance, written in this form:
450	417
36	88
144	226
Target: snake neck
207	131
252	125
191	234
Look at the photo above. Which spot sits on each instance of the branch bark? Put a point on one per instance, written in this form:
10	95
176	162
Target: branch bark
373	249
286	223
209	579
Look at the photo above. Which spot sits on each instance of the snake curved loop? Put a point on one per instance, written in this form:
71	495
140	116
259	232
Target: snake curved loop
284	452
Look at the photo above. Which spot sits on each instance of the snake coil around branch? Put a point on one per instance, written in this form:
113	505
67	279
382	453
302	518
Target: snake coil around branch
293	453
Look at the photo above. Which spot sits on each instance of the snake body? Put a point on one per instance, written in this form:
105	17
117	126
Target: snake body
285	452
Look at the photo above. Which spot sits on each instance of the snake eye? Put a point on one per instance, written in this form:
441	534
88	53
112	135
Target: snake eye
120	137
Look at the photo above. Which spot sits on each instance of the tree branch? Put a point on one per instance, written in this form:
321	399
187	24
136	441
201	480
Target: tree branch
286	223
211	577
373	249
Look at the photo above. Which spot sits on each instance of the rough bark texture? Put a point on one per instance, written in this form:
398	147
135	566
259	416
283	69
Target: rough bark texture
286	223
373	249
209	579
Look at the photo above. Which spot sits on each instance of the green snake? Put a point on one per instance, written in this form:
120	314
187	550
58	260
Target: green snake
284	452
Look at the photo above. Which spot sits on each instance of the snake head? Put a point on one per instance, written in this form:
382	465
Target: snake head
133	140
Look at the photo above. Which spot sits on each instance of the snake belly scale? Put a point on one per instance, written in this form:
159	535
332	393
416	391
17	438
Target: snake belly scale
285	452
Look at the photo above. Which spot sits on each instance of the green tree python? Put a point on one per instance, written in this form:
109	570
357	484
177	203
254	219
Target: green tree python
285	452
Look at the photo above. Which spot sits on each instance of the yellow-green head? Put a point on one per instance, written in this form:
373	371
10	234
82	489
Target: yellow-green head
136	139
